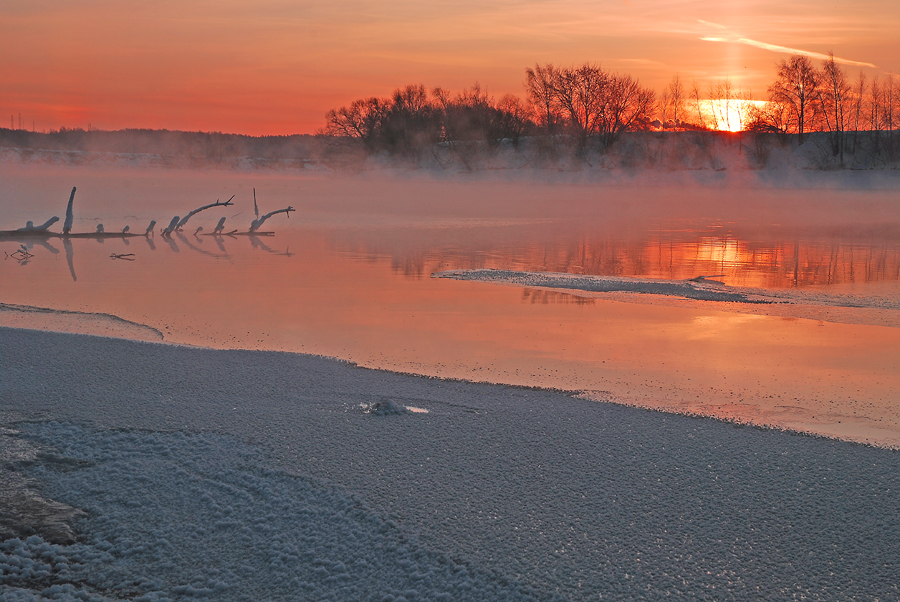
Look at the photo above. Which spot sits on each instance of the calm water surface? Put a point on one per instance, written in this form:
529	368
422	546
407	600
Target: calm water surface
348	276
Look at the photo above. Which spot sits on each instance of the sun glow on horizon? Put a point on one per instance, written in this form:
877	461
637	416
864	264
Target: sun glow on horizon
728	114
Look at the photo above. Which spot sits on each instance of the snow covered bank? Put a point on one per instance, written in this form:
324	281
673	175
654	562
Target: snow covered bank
256	465
183	516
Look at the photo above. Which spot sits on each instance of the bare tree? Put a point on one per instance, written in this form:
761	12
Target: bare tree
833	96
859	93
720	104
582	94
470	122
540	85
664	106
698	103
796	87
409	122
513	118
362	120
593	103
772	117
676	96
629	108
890	111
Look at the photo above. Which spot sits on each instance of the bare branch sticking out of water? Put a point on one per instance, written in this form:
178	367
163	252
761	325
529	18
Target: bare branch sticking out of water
255	224
30	227
191	214
167	231
70	216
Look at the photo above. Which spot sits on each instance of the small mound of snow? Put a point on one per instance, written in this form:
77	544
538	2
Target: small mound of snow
386	407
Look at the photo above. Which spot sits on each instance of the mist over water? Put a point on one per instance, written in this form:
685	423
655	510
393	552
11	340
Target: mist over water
348	276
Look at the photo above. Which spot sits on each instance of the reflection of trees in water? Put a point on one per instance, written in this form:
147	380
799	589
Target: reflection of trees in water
537	296
752	260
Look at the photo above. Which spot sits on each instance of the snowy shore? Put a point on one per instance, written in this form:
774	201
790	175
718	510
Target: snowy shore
240	475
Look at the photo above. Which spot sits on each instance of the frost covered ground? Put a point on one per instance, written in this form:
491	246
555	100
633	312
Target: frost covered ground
254	475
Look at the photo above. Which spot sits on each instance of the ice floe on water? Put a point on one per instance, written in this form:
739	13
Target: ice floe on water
700	288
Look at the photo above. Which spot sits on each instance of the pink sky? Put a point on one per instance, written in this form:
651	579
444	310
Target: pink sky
276	66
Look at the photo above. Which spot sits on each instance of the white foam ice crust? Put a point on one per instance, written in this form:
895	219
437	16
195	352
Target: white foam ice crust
700	289
239	475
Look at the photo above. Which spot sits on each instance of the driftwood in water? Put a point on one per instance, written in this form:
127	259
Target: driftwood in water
98	233
30	227
70	217
167	231
255	224
184	220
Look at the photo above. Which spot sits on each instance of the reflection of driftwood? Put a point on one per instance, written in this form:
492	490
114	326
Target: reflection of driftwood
192	247
70	259
21	254
257	243
191	214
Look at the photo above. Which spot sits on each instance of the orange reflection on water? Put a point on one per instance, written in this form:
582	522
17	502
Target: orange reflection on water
777	260
827	378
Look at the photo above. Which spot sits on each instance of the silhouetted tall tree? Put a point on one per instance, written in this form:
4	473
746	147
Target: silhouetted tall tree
362	120
796	86
833	95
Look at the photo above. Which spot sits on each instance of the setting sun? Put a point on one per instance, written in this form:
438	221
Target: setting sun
729	114
277	68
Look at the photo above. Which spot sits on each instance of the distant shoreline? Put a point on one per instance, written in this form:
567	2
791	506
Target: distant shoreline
635	154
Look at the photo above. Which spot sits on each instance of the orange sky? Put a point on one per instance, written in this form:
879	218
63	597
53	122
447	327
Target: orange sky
276	66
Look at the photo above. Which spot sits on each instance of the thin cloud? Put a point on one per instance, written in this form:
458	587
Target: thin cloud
785	49
711	24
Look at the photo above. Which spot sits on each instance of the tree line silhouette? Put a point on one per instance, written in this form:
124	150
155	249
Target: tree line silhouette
586	108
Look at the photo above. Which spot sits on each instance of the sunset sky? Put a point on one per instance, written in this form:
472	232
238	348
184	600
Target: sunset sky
276	66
